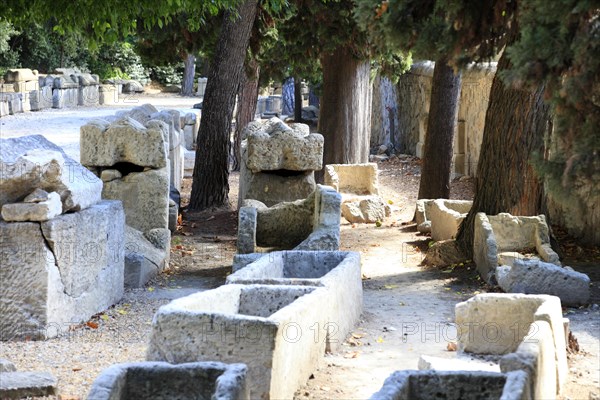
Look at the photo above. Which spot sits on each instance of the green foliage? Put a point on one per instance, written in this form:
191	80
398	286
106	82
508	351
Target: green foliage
8	57
459	31
168	74
119	60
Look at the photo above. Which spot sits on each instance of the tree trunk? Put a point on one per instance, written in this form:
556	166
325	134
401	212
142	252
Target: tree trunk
436	164
515	124
345	115
246	110
297	99
210	186
187	84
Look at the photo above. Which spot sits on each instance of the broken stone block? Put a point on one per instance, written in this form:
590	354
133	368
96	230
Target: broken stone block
105	144
31	162
424	227
463	385
422	207
19	385
143	260
20	75
189	159
365	209
108	94
253	324
173	216
41	99
160	380
357	179
40	211
276	146
72	266
338	271
160	238
88	95
145	197
38	195
538	277
446	216
495	234
246	242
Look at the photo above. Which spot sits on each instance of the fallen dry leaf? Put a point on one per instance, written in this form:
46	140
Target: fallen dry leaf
92	324
451	346
351	354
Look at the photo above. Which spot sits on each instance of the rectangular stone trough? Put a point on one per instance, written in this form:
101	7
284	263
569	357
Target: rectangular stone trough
272	329
161	380
462	385
527	330
446	217
338	271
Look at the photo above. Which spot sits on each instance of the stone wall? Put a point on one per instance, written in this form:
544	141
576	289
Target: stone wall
414	95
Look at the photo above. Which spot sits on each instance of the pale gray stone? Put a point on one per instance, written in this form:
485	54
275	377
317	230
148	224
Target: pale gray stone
143	260
164	381
246	242
274	146
145	197
160	238
105	144
18	385
6	366
463	385
357	179
538	277
446	216
108	175
31	162
365	209
73	263
193	328
424	227
36	196
41	211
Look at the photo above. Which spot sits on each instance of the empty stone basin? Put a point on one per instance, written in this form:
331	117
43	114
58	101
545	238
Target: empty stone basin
446	216
338	271
160	380
461	385
273	329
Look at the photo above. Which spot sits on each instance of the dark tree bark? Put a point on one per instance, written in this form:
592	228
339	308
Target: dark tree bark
210	186
187	84
436	164
297	99
287	96
246	110
345	114
515	124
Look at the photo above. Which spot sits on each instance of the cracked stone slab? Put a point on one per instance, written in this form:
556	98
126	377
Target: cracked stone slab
35	211
31	162
71	265
17	385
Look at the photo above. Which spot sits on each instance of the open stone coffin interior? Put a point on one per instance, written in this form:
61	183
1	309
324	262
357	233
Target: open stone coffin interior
272	329
160	380
338	271
527	331
461	385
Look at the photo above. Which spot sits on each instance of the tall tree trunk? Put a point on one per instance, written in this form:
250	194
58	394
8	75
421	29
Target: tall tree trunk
345	115
187	84
297	99
441	124
515	124
210	186
246	109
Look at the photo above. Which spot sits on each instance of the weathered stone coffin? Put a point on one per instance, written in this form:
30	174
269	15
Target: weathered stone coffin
527	329
275	330
71	267
338	271
160	380
463	385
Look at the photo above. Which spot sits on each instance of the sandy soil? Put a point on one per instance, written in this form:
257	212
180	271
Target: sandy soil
408	309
